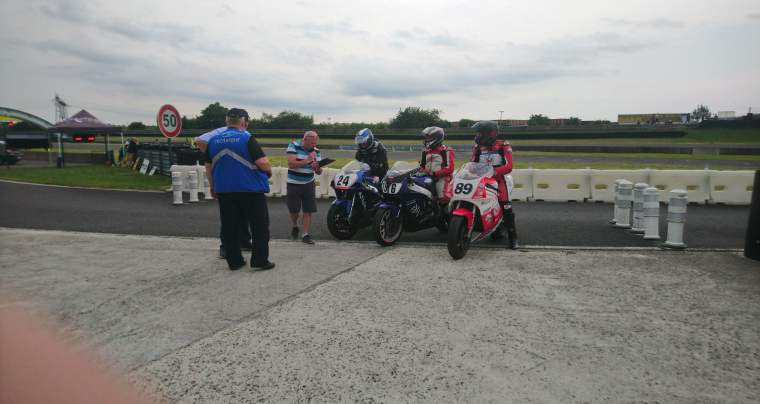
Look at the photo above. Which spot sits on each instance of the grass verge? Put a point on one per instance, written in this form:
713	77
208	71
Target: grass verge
94	176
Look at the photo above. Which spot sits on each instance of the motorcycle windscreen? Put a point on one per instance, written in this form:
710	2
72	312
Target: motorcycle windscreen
471	171
400	168
354	166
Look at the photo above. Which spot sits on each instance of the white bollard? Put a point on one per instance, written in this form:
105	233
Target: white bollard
193	185
177	187
637	226
206	188
679	198
624	199
615	205
651	214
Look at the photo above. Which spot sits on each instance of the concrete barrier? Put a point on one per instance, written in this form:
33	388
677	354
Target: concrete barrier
692	181
523	185
561	185
602	182
731	187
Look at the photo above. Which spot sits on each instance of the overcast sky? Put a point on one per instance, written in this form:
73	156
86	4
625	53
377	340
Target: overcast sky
363	60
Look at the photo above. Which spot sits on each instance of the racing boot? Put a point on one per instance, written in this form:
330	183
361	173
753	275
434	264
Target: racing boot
509	224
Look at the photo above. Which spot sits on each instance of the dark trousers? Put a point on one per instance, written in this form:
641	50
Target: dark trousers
235	207
244	235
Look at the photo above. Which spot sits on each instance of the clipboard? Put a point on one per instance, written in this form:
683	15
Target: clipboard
325	162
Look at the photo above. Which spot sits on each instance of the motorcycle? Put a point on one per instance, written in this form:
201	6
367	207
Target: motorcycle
475	209
356	199
408	204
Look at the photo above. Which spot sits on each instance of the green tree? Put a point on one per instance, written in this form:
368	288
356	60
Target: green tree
538	120
136	125
416	117
573	121
212	116
701	113
466	123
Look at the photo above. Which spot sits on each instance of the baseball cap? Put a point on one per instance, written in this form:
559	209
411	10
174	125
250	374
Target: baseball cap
237	113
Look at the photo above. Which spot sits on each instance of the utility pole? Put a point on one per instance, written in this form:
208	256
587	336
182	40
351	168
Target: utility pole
500	115
60	115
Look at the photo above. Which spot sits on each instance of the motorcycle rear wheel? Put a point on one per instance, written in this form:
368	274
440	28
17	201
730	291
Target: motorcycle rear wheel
458	240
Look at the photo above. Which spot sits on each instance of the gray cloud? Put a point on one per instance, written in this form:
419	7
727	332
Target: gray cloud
402	38
169	34
324	30
656	23
567	57
754	16
84	53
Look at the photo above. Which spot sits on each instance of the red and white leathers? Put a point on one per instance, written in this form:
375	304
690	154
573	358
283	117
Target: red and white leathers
499	156
439	163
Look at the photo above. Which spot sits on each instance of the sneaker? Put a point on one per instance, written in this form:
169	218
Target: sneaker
513	243
222	252
307	239
267	265
238	266
294	233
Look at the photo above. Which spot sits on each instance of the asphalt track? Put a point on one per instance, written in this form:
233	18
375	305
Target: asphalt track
151	213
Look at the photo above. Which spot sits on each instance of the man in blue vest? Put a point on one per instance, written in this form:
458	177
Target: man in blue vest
239	174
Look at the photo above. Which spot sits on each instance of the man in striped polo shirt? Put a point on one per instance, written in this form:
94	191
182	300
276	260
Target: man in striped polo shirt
303	163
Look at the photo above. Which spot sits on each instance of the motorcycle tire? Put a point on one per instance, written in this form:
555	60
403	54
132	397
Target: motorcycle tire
338	225
387	228
458	240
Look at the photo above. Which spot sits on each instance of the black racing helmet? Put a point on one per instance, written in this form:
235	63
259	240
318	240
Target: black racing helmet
432	137
486	132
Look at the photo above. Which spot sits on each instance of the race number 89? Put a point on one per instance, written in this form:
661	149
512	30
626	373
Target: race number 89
463	188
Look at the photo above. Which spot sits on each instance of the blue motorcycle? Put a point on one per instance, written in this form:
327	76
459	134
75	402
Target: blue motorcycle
356	199
408	204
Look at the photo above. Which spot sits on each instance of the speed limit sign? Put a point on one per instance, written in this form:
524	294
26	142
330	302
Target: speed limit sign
169	121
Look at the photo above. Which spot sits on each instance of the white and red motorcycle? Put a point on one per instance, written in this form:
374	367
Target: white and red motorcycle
474	207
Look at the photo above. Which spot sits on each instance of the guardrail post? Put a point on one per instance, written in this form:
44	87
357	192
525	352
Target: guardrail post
193	185
679	198
651	214
624	200
638	207
752	240
177	187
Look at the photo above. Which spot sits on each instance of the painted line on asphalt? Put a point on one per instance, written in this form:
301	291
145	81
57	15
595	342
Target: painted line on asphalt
73	187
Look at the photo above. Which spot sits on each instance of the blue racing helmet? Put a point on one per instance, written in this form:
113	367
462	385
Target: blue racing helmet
364	138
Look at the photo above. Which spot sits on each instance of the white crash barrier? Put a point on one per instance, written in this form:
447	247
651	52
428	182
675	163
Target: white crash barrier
561	185
693	181
637	225
274	181
651	214
522	189
676	219
326	178
602	182
731	187
191	180
623	201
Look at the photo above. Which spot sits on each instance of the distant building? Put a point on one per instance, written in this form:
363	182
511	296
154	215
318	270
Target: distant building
654	118
726	115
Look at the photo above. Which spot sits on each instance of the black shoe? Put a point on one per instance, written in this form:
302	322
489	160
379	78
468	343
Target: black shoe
294	233
307	239
513	243
267	265
222	252
236	267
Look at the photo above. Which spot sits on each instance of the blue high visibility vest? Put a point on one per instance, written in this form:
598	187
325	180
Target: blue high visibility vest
232	168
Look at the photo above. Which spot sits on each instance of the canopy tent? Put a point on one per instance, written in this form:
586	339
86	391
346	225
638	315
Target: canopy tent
86	123
83	123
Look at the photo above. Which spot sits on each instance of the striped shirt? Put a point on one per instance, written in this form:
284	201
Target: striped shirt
305	174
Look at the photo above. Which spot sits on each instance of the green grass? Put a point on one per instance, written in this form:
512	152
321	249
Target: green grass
93	176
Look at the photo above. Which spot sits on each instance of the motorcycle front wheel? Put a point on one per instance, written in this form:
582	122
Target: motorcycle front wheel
387	228
338	224
459	240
